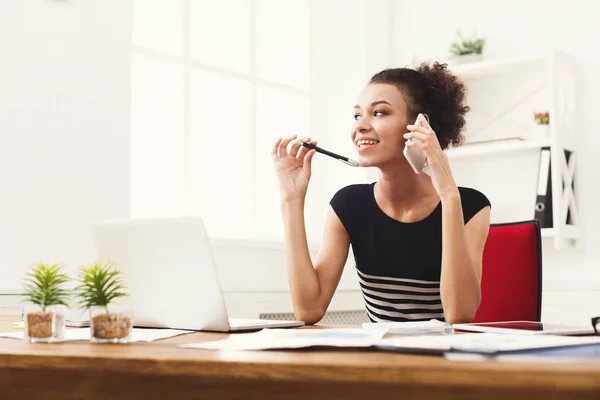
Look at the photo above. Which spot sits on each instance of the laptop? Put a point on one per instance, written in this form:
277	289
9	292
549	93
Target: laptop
170	274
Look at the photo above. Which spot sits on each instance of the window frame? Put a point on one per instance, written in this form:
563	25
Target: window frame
189	65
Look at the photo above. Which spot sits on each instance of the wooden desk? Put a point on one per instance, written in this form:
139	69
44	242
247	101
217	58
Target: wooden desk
162	371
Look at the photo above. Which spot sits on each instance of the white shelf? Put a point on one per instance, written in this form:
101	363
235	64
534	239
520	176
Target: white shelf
479	149
509	88
488	68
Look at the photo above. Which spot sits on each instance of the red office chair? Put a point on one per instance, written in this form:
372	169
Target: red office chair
511	282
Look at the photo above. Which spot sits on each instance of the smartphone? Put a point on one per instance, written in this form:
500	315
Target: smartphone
415	157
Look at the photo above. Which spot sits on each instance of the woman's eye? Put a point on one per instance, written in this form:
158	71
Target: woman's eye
356	116
379	113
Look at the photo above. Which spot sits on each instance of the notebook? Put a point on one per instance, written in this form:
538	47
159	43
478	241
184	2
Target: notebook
412	328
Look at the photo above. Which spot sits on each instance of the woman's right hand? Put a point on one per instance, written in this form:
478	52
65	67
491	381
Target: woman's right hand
292	167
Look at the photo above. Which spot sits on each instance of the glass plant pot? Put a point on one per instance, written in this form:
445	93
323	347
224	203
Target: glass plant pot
112	324
44	325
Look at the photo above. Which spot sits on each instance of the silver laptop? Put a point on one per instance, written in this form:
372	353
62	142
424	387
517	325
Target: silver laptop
170	274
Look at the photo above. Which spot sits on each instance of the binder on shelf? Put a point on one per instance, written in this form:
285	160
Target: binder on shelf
543	200
568	159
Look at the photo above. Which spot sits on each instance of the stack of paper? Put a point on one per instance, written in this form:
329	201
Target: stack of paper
479	343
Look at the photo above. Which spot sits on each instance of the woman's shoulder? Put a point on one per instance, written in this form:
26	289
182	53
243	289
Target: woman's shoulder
472	201
352	200
468	194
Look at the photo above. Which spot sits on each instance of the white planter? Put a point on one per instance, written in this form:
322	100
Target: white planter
540	132
467	58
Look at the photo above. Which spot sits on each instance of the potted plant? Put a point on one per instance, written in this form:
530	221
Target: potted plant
43	289
466	49
541	130
100	284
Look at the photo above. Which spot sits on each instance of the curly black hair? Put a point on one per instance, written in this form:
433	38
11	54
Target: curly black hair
435	91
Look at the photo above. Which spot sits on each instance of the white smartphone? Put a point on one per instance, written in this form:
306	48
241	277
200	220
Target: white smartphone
415	157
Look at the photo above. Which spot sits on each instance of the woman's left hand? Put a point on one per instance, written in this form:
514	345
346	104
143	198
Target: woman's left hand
437	160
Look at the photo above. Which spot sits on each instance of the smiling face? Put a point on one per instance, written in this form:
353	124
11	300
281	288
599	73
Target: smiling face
381	116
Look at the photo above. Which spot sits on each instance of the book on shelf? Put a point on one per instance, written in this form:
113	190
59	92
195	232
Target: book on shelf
543	201
543	193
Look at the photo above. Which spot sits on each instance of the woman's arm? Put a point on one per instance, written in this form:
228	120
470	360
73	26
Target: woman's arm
462	253
462	245
312	287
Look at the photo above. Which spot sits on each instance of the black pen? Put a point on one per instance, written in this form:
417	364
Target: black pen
343	159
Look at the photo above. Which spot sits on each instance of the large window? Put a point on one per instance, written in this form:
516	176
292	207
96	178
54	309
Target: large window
214	83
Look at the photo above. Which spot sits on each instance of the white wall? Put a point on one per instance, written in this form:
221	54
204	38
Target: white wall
347	47
254	278
64	121
64	118
64	126
338	72
254	275
424	29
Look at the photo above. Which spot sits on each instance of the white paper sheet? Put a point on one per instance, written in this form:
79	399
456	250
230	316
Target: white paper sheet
279	339
82	334
486	343
412	328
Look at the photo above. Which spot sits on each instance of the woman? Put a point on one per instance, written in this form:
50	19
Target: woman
417	239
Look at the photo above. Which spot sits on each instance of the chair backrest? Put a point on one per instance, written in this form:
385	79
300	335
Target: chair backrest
511	282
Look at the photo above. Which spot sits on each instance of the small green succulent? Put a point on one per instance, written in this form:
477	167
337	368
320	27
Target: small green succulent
463	46
99	285
44	286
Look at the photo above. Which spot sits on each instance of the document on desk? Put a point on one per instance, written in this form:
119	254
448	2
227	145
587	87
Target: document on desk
483	343
412	328
284	339
137	335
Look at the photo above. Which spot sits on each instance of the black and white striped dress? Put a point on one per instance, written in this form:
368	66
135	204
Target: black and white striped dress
398	264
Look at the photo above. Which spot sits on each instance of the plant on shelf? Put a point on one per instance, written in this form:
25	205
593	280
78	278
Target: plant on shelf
100	284
465	49
542	118
541	130
44	291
